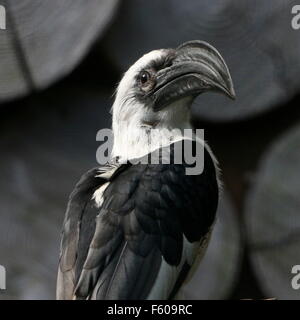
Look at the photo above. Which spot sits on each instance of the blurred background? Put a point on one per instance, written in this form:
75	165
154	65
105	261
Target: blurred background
60	61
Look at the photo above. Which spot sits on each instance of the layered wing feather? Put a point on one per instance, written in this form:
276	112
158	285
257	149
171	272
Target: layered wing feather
148	229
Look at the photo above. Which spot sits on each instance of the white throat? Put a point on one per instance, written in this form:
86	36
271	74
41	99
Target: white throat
133	138
143	132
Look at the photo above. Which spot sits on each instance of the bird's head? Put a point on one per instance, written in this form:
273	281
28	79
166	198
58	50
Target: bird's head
158	90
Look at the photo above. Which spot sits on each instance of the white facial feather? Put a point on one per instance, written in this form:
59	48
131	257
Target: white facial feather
131	118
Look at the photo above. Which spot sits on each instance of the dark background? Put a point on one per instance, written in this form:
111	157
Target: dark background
50	117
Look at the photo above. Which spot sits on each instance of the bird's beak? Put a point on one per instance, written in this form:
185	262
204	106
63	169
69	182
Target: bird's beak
196	67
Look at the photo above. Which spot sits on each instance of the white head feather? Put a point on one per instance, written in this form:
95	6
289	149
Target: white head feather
132	120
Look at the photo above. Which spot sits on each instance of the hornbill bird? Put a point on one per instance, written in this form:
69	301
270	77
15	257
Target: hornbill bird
136	230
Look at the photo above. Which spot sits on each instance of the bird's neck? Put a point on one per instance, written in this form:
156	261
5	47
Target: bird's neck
136	142
140	132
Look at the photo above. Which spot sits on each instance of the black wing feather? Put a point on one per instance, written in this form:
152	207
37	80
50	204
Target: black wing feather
146	212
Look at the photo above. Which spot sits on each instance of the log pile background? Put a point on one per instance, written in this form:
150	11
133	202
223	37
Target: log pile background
59	64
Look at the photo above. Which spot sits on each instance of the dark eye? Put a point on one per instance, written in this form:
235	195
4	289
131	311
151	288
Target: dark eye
144	77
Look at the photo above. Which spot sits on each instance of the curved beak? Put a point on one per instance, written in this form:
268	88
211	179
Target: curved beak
196	67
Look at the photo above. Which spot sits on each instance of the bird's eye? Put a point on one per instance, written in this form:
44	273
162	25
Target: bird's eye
146	80
144	77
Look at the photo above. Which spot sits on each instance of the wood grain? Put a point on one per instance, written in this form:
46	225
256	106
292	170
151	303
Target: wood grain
45	148
254	36
272	217
45	40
